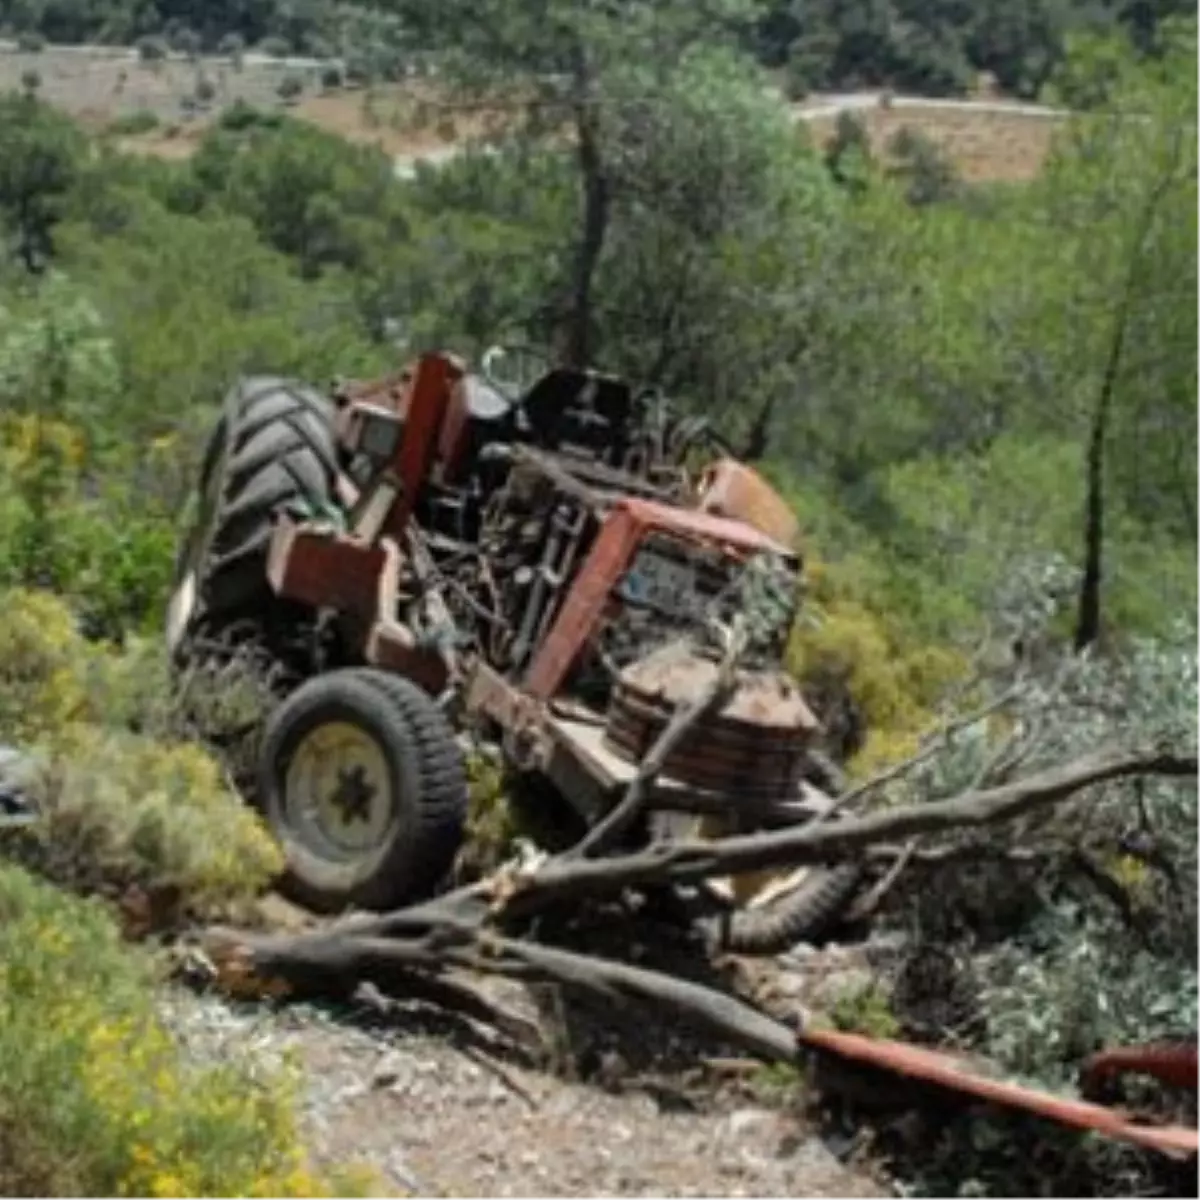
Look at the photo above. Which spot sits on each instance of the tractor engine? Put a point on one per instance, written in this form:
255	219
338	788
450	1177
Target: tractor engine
588	567
613	607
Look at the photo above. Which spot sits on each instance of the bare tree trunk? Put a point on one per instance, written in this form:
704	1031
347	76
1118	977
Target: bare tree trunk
1087	623
1088	620
577	330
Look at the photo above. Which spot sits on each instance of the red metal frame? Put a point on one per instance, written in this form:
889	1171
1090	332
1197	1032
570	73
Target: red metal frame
425	405
945	1070
625	527
323	569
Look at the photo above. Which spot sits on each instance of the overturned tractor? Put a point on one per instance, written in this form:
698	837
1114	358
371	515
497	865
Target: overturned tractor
555	564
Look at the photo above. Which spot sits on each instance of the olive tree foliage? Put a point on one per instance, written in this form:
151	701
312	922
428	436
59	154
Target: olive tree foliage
568	71
1119	214
1078	926
717	243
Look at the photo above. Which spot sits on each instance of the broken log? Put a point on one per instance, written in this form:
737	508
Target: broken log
308	963
462	929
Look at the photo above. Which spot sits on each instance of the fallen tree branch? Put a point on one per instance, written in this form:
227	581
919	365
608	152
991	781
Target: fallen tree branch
937	741
510	895
307	960
678	862
413	973
867	905
455	933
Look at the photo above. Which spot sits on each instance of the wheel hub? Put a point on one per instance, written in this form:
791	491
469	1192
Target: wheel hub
352	794
338	789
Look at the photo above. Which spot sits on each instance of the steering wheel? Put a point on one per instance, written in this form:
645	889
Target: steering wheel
513	369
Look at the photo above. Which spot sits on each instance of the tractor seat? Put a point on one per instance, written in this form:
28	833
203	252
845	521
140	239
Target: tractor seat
477	414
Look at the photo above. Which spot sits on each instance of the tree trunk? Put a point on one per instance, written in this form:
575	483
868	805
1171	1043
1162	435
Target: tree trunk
1087	624
759	435
1090	610
1088	620
577	330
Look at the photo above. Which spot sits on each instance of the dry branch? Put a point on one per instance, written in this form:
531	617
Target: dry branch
308	962
678	862
453	933
937	741
510	895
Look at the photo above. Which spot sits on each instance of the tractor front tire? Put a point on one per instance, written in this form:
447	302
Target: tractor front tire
804	914
272	448
365	787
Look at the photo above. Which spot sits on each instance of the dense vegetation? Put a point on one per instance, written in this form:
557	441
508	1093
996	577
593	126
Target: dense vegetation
982	402
933	48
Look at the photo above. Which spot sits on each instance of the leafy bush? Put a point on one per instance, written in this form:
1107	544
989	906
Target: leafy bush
1089	971
95	1097
101	544
152	49
240	115
848	654
290	87
130	125
121	809
1042	961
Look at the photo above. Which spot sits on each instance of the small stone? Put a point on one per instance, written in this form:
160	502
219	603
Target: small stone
389	1070
744	1120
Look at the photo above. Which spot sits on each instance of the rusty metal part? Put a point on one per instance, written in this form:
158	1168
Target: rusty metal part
958	1074
362	582
732	489
426	404
625	528
1173	1065
324	569
391	644
753	747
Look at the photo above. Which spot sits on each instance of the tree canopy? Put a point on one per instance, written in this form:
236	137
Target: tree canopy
933	47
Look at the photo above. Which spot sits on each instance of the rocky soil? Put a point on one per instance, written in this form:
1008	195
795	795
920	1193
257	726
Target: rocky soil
439	1107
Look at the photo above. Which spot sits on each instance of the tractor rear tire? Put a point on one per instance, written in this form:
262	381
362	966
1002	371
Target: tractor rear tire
365	787
273	447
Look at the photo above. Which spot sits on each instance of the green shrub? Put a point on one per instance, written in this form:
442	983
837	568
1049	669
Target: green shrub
492	824
290	87
95	1097
240	115
152	49
846	647
124	810
131	124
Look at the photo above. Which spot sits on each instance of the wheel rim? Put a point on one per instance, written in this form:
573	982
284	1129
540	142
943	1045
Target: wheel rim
338	791
745	889
185	596
180	608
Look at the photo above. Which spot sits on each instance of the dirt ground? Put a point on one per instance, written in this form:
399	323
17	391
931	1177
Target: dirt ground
438	1109
985	147
626	1103
100	86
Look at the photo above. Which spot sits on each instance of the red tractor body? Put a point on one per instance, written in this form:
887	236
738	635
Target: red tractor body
547	568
